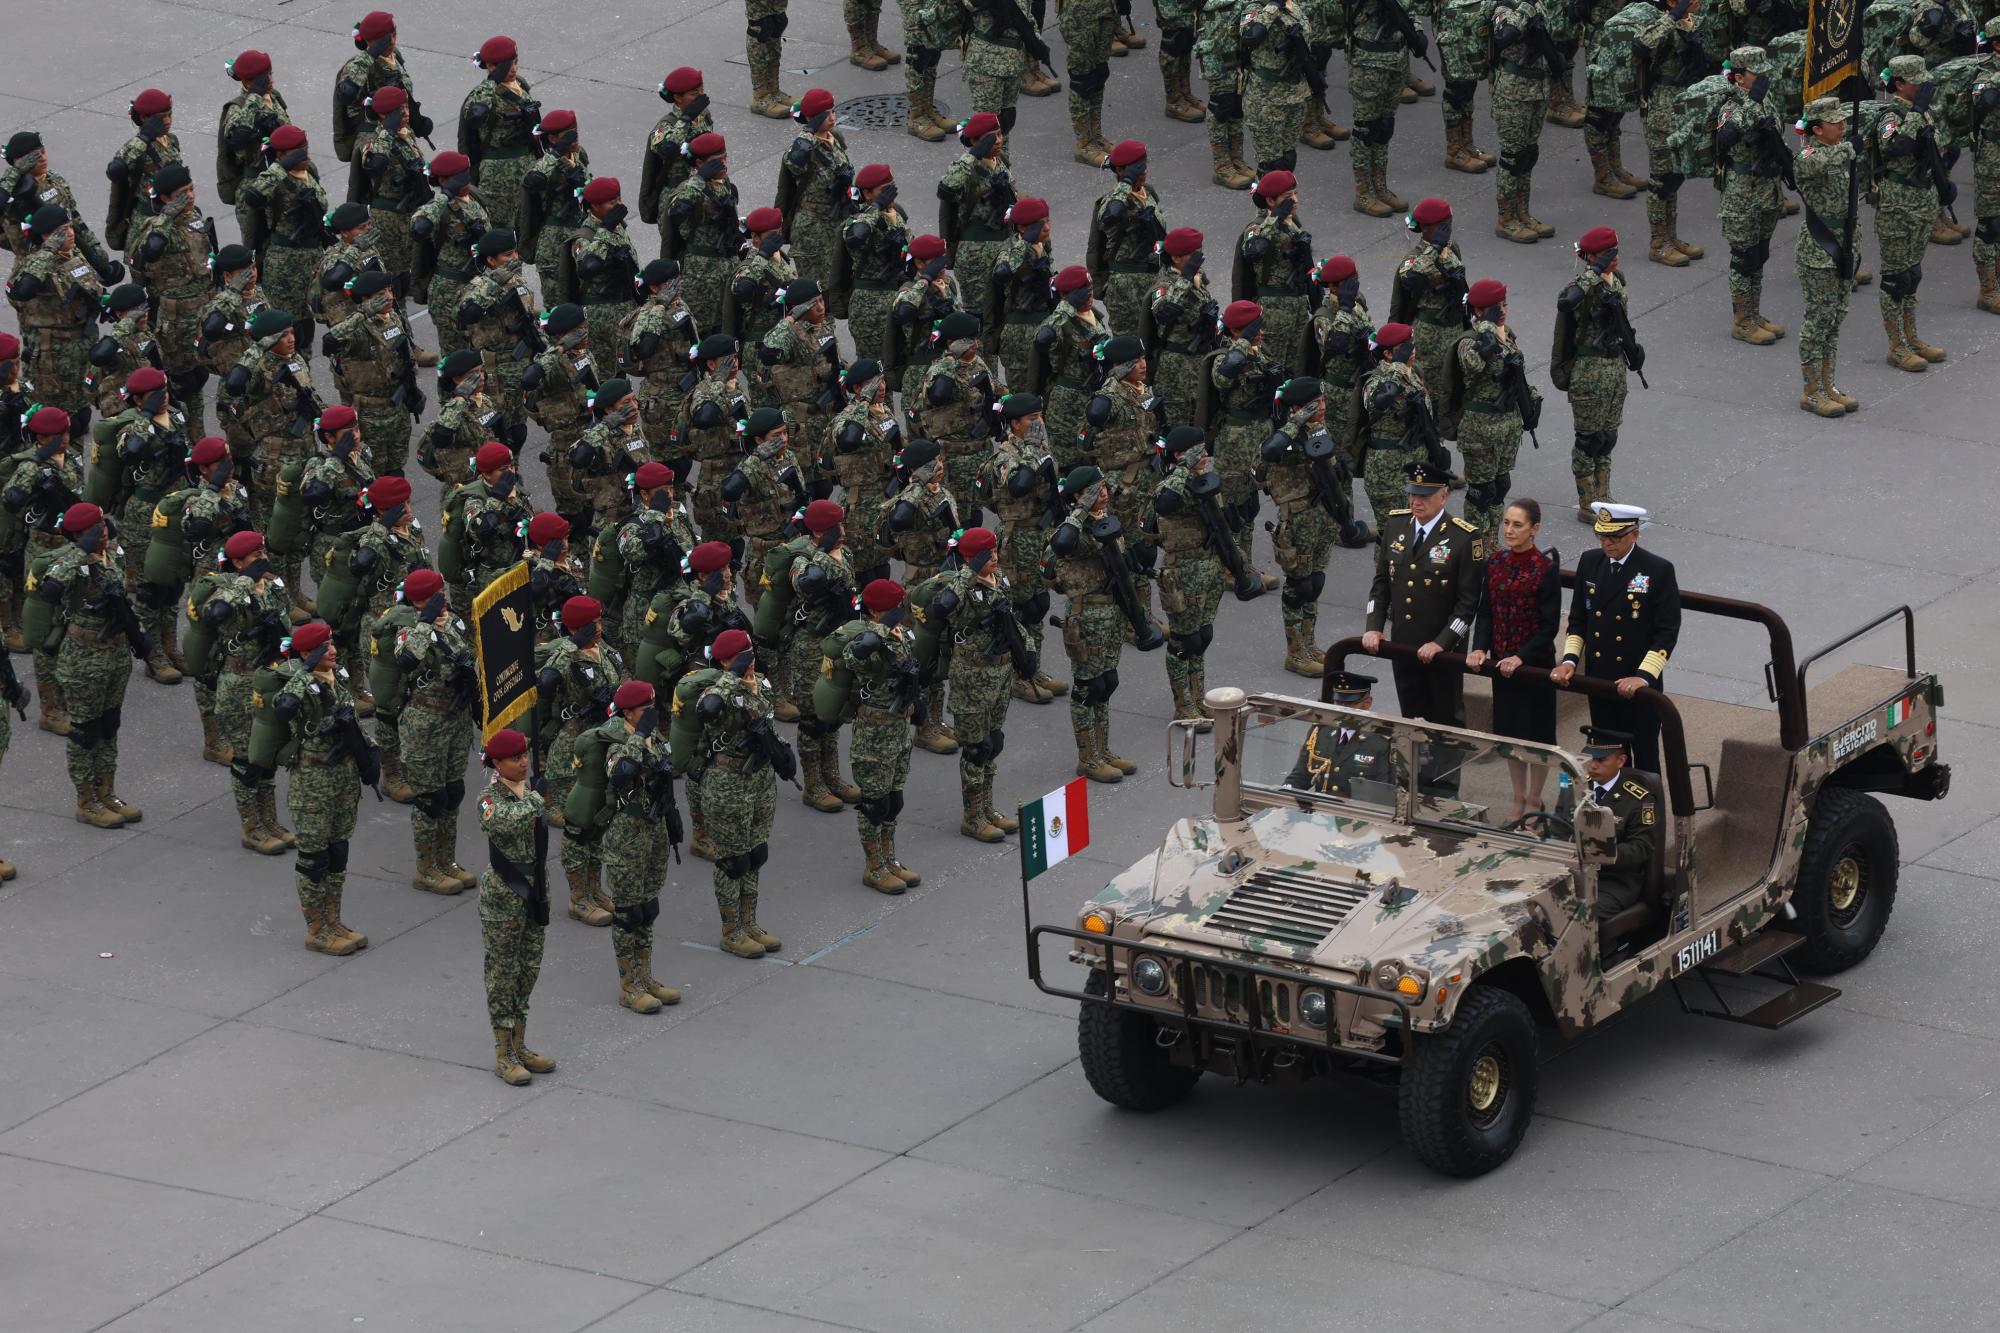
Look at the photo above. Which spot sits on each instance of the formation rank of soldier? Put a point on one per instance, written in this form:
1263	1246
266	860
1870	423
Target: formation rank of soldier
1123	424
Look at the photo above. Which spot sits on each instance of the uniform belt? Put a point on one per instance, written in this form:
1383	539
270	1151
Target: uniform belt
1185	349
455	274
325	758
190	294
1439	318
392	204
980	231
1913	181
1480	405
503	154
731	762
84	634
430	703
879	715
1092	599
1515	67
875	285
1133	266
1362	43
1755	170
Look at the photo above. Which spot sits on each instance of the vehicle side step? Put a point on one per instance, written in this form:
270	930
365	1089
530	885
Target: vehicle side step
1742	959
1788	1006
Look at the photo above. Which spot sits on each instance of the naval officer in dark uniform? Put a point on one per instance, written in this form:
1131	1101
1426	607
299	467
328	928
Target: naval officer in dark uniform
1430	569
1337	753
1624	620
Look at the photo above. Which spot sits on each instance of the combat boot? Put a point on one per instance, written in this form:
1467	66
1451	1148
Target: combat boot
652	985
699	843
1563	108
430	879
1236	159
1944	233
160	668
874	39
1005	823
393	786
1848	402
1511	226
922	122
1460	155
1378	173
1301	658
335	927
11	637
1615	150
1661	250
631	994
1586	496
1526	215
1770	326
1413	84
936	737
1049	685
1090	146
364	698
860	53
1089	763
1182	104
531	1061
1225	173
89	810
582	901
300	610
1038	82
267	811
973	824
1744	325
507	1067
54	718
767	99
318	938
1605	181
877	874
1688	248
127	812
733	939
253	836
816	794
893	862
846	792
214	749
746	920
1365	200
784	710
446	852
1315	133
1989	294
1027	691
1901	356
7	871
1813	399
1918	345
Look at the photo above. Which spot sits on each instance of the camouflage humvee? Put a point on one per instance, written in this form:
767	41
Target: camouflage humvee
1429	921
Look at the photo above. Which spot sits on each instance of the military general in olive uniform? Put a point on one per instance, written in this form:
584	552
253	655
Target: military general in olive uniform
1429	570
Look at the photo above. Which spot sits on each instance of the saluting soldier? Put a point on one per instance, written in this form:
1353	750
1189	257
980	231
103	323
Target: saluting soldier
1338	754
1077	562
1624	621
610	450
1393	426
44	486
875	236
953	404
442	235
652	544
916	312
100	638
974	195
1274	267
643	825
1430	570
707	429
1126	229
287	208
689	627
551	206
55	294
577	675
1121	424
244	611
967	610
752	307
513	903
329	759
556	390
700	228
1021	295
379	66
856	455
127	347
246	121
813	180
1242	378
270	391
496	510
437	726
1340	349
375	359
553	575
604	265
1305	533
746	760
1495	404
389	176
224	336
131	170
798	365
659	337
877	654
349	253
822	583
1430	288
497	316
668	161
496	125
1018	482
147	457
27	185
1063	358
169	253
1907	200
1751	159
1594	348
1826	168
1183	320
1191	576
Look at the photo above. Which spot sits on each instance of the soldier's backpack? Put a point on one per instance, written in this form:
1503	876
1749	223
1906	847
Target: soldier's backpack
933	632
1614	77
287	534
385	677
586	809
1952	103
1692	138
105	484
1884	25
1788	74
451	534
606	581
339	588
833	688
41	620
273	743
1448	398
684	743
656	637
198	639
168	564
773	621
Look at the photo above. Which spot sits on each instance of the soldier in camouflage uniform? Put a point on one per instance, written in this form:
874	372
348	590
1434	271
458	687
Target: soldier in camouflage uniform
100	638
1378	59
918	516
930	27
389	176
16	450
1278	64
1126	229
763	492
1178	19
1021	296
974	195
245	122
495	509
1753	159
331	491
497	317
953	405
1018	481
1465	40
13	695
224	336
384	555
323	736
553	574
999	43
1674	61
496	131
1218	48
875	236
243	609
764	47
1589	363
966	611
513	903
1338	349
128	346
707	609
1063	357
700	228
379	66
707	429
752	307
55	294
642	828
652	543
745	762
1430	287
1093	634
551	209
287	206
1522	44
798	366
1087	28
1490	367
1183	316
1825	171
467	418
350	253
610	450
1242	378
1609	95
1121	424
605	267
1191	576
814	177
856	456
1394	421
28	184
657	337
374	358
1907	200
139	157
270	393
576	676
556	388
1306	531
169	253
877	653
1274	267
442	235
148	458
437	726
1985	98
918	308
823	587
668	161
44	485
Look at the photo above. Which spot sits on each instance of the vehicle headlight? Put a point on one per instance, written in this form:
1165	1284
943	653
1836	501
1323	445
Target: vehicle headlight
1413	983
1312	1007
1150	976
1386	974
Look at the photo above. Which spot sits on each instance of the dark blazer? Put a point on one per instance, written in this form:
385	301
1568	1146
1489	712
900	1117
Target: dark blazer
1636	808
1328	767
1540	649
1428	592
1625	625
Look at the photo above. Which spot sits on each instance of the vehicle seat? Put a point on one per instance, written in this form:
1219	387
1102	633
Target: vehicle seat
1646	919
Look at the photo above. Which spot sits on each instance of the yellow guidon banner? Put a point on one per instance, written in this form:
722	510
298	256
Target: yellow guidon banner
1833	45
503	646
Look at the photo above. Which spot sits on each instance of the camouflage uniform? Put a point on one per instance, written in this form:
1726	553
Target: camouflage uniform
575	688
764	48
657	337
1087	26
55	295
1243	377
1489	426
1465	34
916	309
224	338
1390	396
93	665
392	555
1430	297
857	456
611	451
1906	208
1024	464
1985	98
497	317
22	192
1120	425
1191	582
666	168
880	747
437	727
823	588
1520	105
496	129
330	495
495	534
324	794
1218	48
375	370
1277	50
291	231
874	239
442	236
138	161
605	265
1595	381
174	271
1063	348
510	931
636	848
1378	64
1824	173
1184	316
707	428
339	263
700	228
389	178
1131	226
358	80
1339	341
772	492
916	522
1751	198
996	57
652	544
981	680
930	27
953	405
554	184
246	642
556	387
751	309
739	796
276	406
113	358
1305	533
1021	299
974	196
1277	259
812	191
1093	634
798	377
247	120
152	459
463	424
1676	61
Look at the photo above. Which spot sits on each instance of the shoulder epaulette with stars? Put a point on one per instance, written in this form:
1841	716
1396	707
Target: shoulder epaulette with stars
1463	525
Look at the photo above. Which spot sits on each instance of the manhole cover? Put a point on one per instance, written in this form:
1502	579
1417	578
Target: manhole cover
879	111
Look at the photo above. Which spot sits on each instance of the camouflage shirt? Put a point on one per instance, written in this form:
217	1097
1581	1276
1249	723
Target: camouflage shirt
392	166
666	165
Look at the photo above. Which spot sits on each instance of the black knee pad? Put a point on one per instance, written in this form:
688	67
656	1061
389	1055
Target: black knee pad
810	727
1385	130
302	329
1988	230
978	752
1458	93
1107	685
632	916
312	865
1176	41
996	741
1006	117
1895	285
1501	485
1084	690
1916	281
895	804
923	59
1295	592
112	720
1184	646
759	854
874	809
1665	187
1511	166
1524	161
1207	636
1315	582
769	28
336	856
454	793
1749	262
1226	106
429	802
85	735
1602	119
1607	440
736	867
1288	160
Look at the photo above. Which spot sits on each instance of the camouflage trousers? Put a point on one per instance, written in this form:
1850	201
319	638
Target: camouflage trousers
1597	386
1191	587
289	276
1432	342
323	800
1087	26
993	75
547	259
762	55
1985	198
392	243
57	360
858	12
232	715
1177	380
703	282
135	534
1286	320
92	678
385	433
1125	296
1376	91
1225	106
447	294
1382	476
1903	222
1093	637
499	183
635	871
980	693
178	324
1489	442
1826	298
503	386
1519	105
1017	352
1749	215
868	320
435	746
1274	112
816	247
389	737
580	855
270	455
972	263
711	519
513	947
739	808
1656	122
1235	454
607	340
881	756
1021	567
1303	540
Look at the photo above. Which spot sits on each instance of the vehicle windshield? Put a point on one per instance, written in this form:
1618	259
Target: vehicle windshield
1482	786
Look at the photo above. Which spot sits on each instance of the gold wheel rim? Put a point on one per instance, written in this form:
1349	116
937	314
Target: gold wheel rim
1483	1091
1846	889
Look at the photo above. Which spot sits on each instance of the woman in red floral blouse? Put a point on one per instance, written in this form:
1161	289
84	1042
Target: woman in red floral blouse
1517	626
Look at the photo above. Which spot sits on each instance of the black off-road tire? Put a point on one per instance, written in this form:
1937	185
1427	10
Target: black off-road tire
1122	1056
1468	1092
1847	881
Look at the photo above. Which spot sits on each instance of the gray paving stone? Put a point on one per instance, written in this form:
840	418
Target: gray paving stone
1940	927
697	1314
56	1041
915	1245
1946	1161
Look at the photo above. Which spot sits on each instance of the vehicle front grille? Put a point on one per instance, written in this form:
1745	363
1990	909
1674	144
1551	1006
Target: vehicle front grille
1289	905
1228	994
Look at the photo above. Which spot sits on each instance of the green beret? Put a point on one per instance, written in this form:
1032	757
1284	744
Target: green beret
270	324
762	422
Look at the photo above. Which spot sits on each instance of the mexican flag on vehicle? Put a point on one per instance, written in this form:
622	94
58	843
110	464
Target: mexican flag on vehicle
1054	828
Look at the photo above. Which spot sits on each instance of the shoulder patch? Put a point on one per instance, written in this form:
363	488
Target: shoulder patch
1637	789
1463	525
